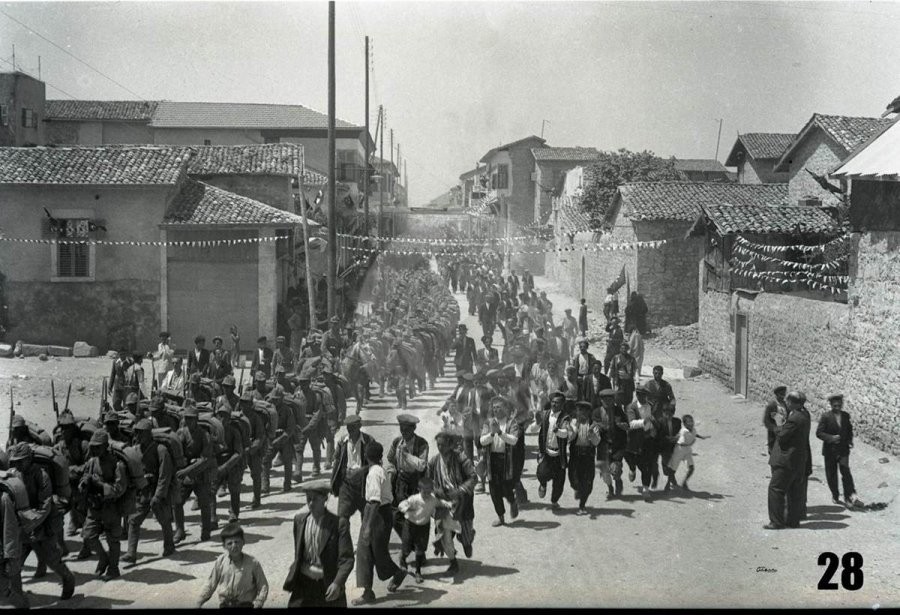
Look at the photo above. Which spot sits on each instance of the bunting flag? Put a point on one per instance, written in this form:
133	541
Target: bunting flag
428	251
181	244
832	265
801	247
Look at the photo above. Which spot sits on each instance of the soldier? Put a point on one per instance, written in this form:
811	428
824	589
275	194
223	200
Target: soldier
282	356
76	452
20	431
198	451
315	429
117	381
227	398
407	461
230	463
159	468
282	381
104	482
197	391
131	404
11	555
332	340
259	439
337	394
159	415
38	531
260	388
219	361
284	440
113	430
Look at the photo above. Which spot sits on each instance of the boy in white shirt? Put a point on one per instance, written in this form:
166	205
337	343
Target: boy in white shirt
418	509
683	449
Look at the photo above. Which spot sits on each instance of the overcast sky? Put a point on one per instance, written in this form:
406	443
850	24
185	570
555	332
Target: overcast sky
459	78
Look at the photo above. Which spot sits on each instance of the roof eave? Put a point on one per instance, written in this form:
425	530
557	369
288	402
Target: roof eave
228	226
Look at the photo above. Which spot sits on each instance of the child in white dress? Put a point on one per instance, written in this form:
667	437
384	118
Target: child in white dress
684	448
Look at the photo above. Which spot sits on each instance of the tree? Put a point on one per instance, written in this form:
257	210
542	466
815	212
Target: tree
612	169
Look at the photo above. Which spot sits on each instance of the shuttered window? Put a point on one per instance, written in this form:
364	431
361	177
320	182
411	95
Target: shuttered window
73	260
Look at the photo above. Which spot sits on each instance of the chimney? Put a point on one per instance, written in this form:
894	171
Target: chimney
809	201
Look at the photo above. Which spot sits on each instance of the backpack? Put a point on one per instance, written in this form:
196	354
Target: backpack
134	463
298	407
168	438
39	434
243	424
269	412
86	427
213	426
14	486
327	399
57	466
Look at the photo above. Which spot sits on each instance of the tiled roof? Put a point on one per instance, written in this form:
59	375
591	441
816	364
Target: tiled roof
506	146
850	132
682	200
387	165
699	164
200	203
271	159
571	220
238	115
312	177
576	154
122	110
877	159
729	219
762	145
125	165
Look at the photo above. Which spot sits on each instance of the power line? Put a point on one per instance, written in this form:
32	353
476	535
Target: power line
20	69
70	54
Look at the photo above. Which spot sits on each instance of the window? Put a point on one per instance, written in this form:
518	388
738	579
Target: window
4	115
29	118
207	142
72	261
273	139
502	176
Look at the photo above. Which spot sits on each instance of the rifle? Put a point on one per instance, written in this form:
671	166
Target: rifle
154	386
241	383
53	394
68	394
12	412
103	393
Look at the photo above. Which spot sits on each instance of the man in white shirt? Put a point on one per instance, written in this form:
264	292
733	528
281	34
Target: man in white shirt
349	469
499	435
373	547
162	358
173	384
552	449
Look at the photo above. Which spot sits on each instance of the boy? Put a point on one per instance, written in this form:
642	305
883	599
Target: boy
683	452
238	577
418	510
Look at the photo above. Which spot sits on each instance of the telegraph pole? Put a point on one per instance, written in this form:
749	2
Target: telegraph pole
392	164
332	206
366	164
381	167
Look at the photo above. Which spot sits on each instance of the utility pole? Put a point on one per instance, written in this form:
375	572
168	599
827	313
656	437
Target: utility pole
718	139
399	165
392	164
14	58
310	286
542	127
39	68
332	206
383	174
366	164
406	183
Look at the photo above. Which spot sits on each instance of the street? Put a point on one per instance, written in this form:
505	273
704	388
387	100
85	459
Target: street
705	548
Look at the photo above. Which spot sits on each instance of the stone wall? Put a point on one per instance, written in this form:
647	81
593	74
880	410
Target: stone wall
521	198
819	154
716	335
667	275
272	190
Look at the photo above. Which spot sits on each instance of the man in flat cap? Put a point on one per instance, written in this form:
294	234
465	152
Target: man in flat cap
219	361
38	533
406	463
195	477
312	426
349	470
488	357
584	436
76	451
614	440
499	436
157	497
230	465
622	373
198	357
835	430
775	414
640	451
789	461
584	360
614	339
104	483
262	357
454	480
282	355
323	553
463	347
552	440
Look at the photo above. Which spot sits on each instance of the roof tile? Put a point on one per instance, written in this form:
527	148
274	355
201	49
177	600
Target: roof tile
131	165
762	145
199	203
850	132
238	115
729	219
576	154
682	200
123	110
270	159
706	165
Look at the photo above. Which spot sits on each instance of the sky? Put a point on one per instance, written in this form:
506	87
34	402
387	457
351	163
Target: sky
457	79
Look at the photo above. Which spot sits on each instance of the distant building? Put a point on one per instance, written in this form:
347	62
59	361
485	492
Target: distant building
755	154
21	110
509	171
550	167
702	169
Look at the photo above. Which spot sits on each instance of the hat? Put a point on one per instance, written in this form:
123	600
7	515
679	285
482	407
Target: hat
19	451
191	412
607	393
132	398
583	405
557	395
231	530
582	340
407	419
163	335
18	420
509	367
567	310
228	381
261	338
487	338
217	338
143	425
352	419
279	369
247	395
111	417
223	409
99	438
195	378
259	376
318	485
640	389
65	418
280	338
449	434
462	326
469	376
834	396
780	389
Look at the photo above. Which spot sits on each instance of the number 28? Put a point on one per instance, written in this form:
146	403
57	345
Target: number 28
851	573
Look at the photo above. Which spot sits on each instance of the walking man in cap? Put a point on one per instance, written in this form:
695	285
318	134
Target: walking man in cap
774	415
11	553
282	355
659	392
198	358
230	465
194	478
159	468
259	438
283	444
614	339
789	460
348	474
640	451
584	360
262	357
570	330
584	436
488	357
499	436
835	430
407	460
315	427
117	380
219	361
622	372
454	480
37	521
76	451
104	483
552	440
323	553
463	346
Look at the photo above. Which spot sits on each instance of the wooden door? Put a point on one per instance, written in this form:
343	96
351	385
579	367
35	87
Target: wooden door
741	354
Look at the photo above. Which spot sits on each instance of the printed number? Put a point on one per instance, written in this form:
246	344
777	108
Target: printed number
851	574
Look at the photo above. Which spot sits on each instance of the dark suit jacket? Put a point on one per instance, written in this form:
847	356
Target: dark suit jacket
339	469
828	426
195	365
335	552
663	433
591	359
266	365
587	391
465	354
791	449
543	434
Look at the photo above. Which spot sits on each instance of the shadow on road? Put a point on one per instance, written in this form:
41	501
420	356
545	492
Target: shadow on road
78	601
471	568
414	594
533	525
155	576
609	512
194	556
823	525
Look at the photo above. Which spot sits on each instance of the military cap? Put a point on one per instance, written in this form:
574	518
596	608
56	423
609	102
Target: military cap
66	418
279	369
131	398
780	389
493	373
318	485
143	425
111	417
247	396
99	438
407	419
640	389
834	396
509	368
191	412
557	395
18	451
228	381
352	419
195	378
232	529
259	376
217	338
607	393
18	420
